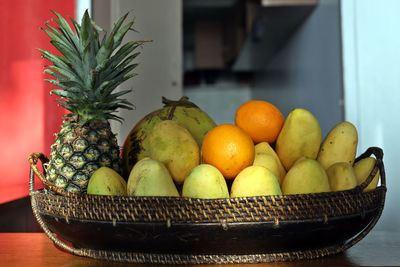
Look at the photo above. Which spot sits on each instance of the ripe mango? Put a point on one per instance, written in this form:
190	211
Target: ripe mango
205	181
173	145
306	176
150	177
341	176
340	145
269	162
265	148
255	181
106	181
363	169
300	136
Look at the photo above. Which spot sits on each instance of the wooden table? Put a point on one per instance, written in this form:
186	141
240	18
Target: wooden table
35	249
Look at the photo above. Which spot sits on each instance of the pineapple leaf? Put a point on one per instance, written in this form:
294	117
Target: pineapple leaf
97	27
72	85
54	74
66	30
65	72
105	50
104	39
102	65
65	94
120	35
120	93
122	53
56	60
122	77
100	89
60	36
89	70
66	85
55	35
84	28
56	83
118	25
129	107
88	40
114	117
116	69
70	56
77	27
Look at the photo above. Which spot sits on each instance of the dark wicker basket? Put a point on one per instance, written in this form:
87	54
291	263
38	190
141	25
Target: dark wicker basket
176	230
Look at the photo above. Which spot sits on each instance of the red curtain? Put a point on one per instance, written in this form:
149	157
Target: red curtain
29	116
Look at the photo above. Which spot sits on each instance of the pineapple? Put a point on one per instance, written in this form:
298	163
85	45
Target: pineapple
86	73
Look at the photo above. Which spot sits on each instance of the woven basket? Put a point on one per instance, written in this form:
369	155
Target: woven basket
177	230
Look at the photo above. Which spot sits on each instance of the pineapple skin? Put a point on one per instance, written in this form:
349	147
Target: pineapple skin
80	148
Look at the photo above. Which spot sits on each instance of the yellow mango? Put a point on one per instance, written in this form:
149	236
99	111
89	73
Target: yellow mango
306	176
362	169
341	176
340	145
265	148
269	162
300	136
255	181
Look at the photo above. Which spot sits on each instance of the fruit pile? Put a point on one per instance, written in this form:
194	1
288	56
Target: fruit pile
178	150
261	154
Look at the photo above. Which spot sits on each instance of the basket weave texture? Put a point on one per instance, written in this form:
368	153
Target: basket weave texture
275	209
186	210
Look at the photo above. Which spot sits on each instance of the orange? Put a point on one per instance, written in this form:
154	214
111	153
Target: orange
259	119
229	149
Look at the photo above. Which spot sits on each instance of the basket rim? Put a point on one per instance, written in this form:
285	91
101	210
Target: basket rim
212	200
376	151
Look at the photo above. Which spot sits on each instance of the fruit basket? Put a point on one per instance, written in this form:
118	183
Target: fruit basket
177	230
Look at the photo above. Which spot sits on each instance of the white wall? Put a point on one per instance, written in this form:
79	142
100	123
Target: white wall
371	53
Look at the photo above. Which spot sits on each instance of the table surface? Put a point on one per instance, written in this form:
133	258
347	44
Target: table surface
378	248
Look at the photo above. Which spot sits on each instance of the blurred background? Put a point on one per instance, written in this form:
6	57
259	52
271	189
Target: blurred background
337	59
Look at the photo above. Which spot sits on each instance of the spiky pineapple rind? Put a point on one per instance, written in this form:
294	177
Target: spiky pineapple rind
80	149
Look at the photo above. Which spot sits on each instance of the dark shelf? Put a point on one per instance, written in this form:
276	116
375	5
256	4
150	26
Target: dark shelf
252	31
271	30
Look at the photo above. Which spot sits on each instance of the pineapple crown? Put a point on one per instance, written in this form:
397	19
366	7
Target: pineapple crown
89	70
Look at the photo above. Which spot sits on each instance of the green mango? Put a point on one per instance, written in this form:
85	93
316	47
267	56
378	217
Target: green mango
186	113
106	181
205	181
174	146
150	177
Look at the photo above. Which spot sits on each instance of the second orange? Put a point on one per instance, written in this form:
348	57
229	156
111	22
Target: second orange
261	120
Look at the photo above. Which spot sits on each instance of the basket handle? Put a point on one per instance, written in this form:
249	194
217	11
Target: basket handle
33	159
378	153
